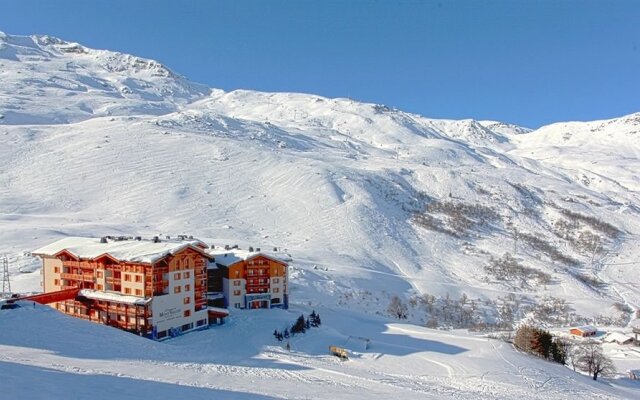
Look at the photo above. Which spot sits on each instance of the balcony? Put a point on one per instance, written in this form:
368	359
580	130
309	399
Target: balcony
77	277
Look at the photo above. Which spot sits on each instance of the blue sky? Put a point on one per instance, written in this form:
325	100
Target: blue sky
526	62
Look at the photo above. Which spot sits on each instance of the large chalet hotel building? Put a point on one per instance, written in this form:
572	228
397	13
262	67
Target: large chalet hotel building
157	288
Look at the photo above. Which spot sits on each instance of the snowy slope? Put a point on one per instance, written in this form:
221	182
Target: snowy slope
402	361
368	201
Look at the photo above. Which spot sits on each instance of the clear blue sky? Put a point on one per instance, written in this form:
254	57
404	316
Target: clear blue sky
527	62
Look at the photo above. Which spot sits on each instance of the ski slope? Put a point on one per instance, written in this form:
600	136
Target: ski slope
49	355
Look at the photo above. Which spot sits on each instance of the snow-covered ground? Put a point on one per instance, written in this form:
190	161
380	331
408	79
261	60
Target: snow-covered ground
48	355
368	202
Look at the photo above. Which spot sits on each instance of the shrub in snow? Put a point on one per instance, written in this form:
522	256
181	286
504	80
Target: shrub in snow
397	308
507	268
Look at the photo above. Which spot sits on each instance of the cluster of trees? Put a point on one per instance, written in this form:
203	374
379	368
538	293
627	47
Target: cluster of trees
587	356
599	225
459	219
459	313
485	314
300	326
543	246
507	268
541	343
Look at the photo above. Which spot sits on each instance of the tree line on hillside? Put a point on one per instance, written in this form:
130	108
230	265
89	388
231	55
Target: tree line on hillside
501	313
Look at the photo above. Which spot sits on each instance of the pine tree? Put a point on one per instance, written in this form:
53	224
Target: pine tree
299	326
541	344
286	333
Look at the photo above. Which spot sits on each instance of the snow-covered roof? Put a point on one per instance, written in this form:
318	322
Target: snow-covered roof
142	251
218	310
618	337
116	297
587	328
232	256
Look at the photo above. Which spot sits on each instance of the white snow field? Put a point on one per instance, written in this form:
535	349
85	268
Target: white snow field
49	355
367	201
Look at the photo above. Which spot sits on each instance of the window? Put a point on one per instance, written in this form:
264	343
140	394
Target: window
100	274
236	293
99	287
236	283
177	289
56	282
176	275
187	300
187	288
127	278
127	290
276	290
237	274
138	278
56	270
138	292
187	275
237	305
187	313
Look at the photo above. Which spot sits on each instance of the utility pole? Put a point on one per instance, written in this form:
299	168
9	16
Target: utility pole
6	283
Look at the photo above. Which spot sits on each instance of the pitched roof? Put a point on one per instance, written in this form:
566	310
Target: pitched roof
140	251
587	328
232	256
617	337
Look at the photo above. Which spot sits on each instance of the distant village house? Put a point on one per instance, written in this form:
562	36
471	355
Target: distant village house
584	331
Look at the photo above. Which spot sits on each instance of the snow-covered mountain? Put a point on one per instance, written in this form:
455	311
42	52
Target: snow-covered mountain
367	200
98	142
85	83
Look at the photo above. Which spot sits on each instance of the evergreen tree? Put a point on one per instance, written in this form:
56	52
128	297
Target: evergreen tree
299	326
558	353
286	333
541	344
